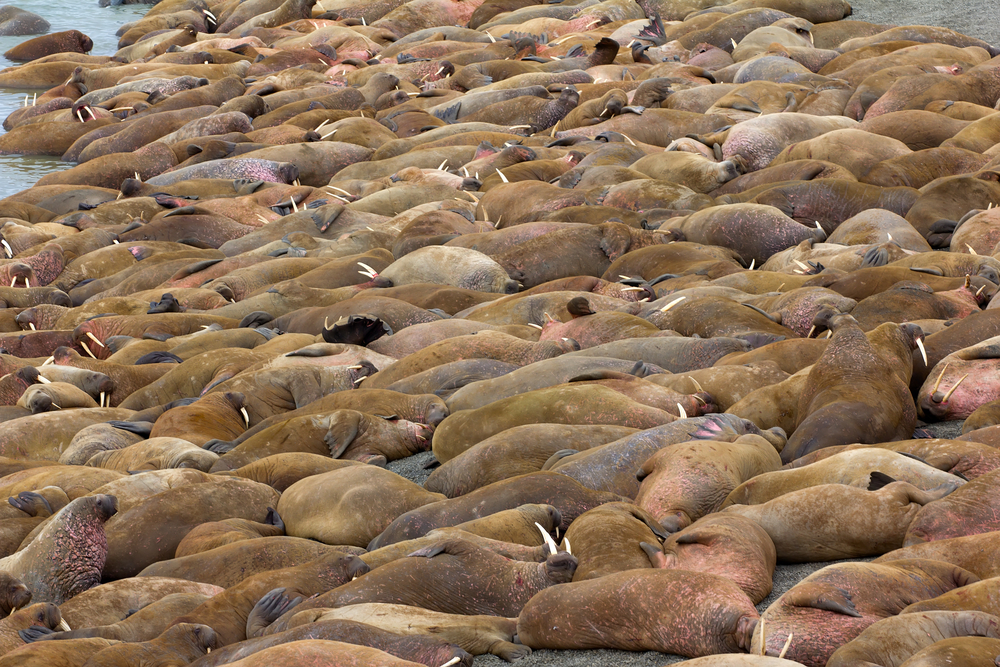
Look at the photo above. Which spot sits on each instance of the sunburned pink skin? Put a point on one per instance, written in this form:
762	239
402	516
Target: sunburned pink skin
955	388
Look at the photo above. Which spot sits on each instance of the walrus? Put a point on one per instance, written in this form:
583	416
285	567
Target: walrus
280	471
145	624
830	607
727	545
854	467
966	650
683	482
73	542
344	434
135	541
563	617
477	634
344	493
568	496
320	651
968	512
230	564
421	649
893	640
803	530
885	367
229	613
516	451
614	466
214	534
181	643
447	583
155	454
566	404
607	539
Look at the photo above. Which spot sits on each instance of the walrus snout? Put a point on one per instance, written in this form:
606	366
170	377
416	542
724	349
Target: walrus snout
561	567
106	505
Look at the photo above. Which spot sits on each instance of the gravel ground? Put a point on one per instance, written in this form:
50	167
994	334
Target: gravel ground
785	576
976	18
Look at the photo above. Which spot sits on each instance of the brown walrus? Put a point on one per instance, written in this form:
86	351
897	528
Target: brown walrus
671	611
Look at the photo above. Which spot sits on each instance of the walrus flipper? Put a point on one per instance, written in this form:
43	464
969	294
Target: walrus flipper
269	609
878	479
823	596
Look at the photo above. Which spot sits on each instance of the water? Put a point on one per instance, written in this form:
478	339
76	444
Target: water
977	18
100	24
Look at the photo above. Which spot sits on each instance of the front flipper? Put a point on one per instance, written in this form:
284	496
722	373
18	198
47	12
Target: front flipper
268	609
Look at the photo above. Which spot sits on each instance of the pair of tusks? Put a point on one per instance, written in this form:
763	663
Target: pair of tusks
763	647
950	391
13	281
368	271
553	549
87	349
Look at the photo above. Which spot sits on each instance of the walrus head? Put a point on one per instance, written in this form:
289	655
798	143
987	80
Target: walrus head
560	567
14	594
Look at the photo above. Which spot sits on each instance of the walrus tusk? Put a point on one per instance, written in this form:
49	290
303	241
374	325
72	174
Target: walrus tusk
355	367
672	304
246	417
632	289
938	383
762	645
78	114
443	163
752	264
954	387
344	191
13	280
48	361
696	384
980	290
548	539
811	330
44	380
628	139
326	322
734	46
87	349
90	113
57	407
537	326
568	550
7	248
27	283
829	333
920	345
369	269
788	642
64	626
971	250
502	177
102	399
492	38
680	409
330	134
360	380
94	338
451	662
295	207
318	127
32	326
802	266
